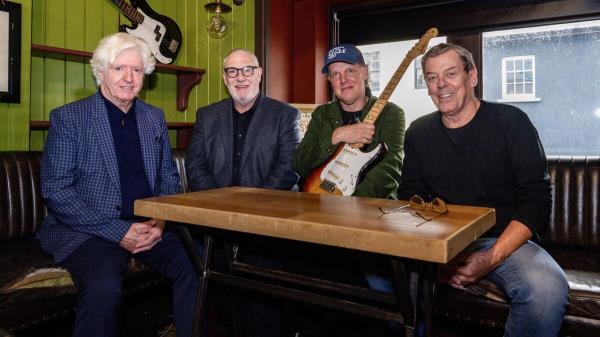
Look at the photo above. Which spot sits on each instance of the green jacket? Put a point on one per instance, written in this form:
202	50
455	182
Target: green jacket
381	181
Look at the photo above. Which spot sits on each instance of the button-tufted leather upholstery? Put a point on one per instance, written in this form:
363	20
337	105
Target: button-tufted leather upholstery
575	218
21	207
21	215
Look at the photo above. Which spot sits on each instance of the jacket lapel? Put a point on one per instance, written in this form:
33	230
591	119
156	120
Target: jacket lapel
106	145
150	143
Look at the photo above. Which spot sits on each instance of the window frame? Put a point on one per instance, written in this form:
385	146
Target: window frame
518	97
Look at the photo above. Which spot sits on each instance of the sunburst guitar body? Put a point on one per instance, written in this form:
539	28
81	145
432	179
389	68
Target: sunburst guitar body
344	170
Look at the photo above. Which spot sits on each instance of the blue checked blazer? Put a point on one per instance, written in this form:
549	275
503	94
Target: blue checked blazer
80	178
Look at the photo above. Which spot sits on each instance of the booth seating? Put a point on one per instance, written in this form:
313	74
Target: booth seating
32	289
573	239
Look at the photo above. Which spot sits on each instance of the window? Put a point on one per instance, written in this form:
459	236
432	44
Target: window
419	78
414	101
518	79
372	61
551	73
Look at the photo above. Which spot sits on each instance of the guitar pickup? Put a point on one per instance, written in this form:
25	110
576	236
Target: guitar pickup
157	32
327	186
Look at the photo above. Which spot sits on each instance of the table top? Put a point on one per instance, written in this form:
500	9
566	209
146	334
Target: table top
349	222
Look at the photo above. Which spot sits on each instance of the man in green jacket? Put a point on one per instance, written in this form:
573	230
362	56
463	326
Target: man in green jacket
340	121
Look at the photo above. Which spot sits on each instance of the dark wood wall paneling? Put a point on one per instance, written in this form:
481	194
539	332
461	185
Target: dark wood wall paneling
399	20
297	36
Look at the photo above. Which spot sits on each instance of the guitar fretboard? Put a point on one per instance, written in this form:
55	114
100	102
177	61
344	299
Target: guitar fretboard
387	92
417	50
129	11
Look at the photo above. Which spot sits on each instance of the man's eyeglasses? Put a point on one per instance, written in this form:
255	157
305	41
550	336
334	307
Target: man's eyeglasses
417	203
233	72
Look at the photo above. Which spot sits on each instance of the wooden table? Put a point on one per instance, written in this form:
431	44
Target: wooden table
348	222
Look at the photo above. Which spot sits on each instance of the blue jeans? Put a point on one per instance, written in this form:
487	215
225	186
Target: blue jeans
98	268
533	282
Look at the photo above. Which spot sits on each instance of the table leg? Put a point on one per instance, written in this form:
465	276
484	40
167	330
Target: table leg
406	301
201	265
429	274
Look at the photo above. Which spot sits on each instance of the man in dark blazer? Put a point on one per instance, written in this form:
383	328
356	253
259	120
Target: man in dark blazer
246	140
101	154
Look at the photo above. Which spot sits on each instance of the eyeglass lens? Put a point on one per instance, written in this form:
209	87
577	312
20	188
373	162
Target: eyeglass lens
437	205
233	72
418	204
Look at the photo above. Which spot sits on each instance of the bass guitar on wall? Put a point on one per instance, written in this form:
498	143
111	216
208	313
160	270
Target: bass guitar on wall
160	32
345	169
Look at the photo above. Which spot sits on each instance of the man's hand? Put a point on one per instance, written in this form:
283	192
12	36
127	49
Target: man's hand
359	133
142	236
468	268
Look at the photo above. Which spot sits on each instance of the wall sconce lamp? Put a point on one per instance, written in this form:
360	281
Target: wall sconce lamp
216	26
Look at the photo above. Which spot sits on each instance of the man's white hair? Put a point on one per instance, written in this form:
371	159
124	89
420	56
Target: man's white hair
112	46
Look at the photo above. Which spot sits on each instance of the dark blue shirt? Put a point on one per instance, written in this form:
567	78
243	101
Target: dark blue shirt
132	174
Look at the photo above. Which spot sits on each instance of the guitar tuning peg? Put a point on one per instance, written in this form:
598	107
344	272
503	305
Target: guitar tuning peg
238	2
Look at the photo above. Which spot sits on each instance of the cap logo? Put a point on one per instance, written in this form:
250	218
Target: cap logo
335	51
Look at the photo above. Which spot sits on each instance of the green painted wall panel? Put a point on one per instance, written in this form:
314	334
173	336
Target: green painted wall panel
14	117
79	24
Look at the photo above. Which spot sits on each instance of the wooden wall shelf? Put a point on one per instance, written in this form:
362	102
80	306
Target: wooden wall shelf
183	129
187	77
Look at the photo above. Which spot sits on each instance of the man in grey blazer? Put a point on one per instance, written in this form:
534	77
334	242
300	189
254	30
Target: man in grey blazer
246	140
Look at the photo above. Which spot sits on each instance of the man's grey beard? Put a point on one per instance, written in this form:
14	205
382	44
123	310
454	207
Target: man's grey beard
243	101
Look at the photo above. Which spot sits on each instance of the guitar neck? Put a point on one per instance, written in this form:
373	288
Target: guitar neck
387	92
129	11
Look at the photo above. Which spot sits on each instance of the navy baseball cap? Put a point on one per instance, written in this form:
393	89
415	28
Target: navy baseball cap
346	53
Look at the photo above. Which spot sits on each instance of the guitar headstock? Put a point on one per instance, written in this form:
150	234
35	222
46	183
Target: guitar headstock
421	46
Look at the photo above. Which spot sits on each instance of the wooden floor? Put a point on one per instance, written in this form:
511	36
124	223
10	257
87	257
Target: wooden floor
306	322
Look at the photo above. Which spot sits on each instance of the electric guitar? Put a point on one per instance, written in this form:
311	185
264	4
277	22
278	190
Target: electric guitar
345	169
160	32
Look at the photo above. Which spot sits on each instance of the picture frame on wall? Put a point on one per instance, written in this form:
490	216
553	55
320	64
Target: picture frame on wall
10	52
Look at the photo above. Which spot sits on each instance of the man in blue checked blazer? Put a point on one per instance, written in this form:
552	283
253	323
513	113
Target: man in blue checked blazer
102	153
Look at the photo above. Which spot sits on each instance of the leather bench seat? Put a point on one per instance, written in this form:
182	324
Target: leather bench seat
573	239
21	214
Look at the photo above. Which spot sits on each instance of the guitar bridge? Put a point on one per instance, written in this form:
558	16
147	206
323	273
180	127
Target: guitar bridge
327	186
